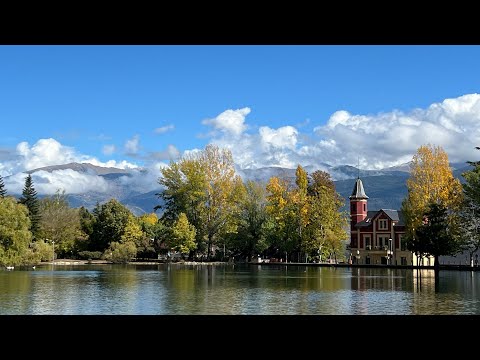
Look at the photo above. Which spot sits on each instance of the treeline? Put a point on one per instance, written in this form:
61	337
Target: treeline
209	213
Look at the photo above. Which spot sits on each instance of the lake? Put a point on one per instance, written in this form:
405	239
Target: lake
178	289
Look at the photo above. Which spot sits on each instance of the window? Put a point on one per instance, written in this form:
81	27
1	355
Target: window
403	245
382	224
403	260
368	246
352	208
364	207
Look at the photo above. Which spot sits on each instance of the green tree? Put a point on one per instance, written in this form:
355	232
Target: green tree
111	219
204	186
59	223
3	192
438	234
327	222
146	247
119	252
183	236
252	232
133	232
470	211
87	221
15	235
29	199
431	182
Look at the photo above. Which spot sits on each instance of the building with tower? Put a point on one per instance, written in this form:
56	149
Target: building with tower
376	237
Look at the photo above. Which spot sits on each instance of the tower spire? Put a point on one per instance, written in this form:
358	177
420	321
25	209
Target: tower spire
358	167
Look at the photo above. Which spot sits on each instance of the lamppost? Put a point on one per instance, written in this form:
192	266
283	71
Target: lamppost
389	252
53	252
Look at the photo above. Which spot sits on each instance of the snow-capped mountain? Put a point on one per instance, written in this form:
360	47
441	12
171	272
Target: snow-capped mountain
137	188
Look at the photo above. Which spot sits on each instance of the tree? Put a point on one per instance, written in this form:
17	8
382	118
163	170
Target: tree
431	182
3	192
119	252
59	222
15	235
183	235
146	247
251	235
110	221
133	232
438	234
204	186
283	228
302	205
327	223
470	212
29	199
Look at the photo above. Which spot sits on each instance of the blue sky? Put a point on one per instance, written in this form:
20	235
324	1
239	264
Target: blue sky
272	105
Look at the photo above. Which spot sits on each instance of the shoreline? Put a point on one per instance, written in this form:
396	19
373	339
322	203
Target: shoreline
72	262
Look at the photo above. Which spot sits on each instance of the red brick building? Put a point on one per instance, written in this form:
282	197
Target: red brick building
376	236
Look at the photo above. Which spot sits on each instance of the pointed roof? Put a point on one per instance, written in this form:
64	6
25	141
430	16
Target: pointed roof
358	192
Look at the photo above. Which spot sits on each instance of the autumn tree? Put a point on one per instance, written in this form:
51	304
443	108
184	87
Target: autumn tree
470	211
204	186
431	182
59	222
283	234
15	235
29	199
3	192
302	206
146	246
327	222
183	236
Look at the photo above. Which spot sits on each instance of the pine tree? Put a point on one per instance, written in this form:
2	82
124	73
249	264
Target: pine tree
3	192
29	199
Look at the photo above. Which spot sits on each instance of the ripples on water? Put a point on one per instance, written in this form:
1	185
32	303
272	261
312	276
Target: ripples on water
239	289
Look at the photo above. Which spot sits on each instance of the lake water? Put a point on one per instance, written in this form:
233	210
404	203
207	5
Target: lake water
235	289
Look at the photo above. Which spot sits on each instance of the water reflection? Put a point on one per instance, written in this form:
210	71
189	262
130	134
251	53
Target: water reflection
234	289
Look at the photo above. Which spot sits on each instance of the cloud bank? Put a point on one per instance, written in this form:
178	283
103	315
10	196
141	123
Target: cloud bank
48	152
376	141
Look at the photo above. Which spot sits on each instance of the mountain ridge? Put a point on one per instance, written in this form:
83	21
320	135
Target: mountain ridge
386	188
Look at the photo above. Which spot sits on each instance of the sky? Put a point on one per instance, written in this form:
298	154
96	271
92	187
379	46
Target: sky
143	106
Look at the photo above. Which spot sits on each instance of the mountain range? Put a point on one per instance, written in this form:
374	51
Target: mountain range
386	188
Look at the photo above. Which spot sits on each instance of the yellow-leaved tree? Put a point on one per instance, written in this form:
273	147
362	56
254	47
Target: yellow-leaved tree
431	182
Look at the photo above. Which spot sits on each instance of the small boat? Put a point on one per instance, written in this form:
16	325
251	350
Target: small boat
10	267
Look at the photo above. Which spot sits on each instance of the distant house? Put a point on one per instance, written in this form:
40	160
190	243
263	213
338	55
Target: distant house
377	237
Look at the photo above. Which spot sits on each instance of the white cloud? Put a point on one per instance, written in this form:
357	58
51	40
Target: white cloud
229	122
281	138
388	139
49	182
145	179
108	149
45	152
131	145
164	129
377	141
